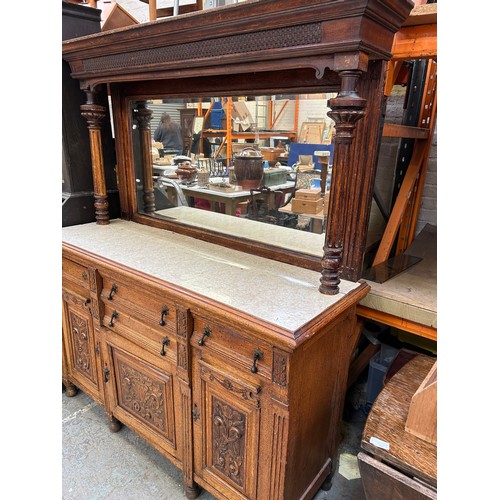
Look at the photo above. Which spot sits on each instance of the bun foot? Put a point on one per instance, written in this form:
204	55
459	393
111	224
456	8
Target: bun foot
114	424
192	491
71	390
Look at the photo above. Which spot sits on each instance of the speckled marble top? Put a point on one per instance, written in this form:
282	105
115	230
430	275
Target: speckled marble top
280	294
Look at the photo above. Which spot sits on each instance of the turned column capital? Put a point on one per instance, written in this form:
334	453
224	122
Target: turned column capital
143	115
347	107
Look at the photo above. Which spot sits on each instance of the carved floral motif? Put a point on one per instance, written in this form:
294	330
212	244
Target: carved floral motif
228	441
143	396
80	331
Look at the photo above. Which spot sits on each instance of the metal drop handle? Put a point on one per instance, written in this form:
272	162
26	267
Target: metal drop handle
257	355
114	315
164	312
113	290
165	342
206	333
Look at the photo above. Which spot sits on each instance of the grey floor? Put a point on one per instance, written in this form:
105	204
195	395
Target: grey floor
98	464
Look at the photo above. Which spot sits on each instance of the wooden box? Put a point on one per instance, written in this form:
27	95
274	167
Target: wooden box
422	413
308	194
304	206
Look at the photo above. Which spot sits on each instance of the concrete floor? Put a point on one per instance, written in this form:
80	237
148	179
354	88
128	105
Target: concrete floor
98	464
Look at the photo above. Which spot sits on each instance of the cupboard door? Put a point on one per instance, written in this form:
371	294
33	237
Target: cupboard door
82	349
141	393
226	415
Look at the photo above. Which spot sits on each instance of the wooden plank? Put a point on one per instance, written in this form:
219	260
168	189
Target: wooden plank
381	482
401	201
415	42
405	131
361	362
407	325
425	13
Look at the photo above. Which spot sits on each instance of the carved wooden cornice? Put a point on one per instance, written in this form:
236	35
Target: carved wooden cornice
238	38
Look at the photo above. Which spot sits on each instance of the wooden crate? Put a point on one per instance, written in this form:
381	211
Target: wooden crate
308	194
303	206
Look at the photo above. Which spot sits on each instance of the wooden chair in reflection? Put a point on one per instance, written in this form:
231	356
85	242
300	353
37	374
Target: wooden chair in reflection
303	180
264	204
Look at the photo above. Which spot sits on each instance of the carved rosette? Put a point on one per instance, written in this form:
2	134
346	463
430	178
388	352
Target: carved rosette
346	110
228	445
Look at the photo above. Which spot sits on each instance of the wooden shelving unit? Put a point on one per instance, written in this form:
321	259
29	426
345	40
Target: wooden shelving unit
228	135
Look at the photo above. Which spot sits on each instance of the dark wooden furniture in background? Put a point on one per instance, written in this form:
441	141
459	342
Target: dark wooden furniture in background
246	408
78	186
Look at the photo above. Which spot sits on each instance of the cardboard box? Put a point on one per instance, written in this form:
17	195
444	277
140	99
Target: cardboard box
308	194
241	111
302	206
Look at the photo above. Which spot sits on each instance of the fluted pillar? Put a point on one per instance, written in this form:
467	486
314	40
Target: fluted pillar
346	109
143	116
95	114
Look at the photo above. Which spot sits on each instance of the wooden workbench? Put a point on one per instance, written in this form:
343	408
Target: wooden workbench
397	461
409	300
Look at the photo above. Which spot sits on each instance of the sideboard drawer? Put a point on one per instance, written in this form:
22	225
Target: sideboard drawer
247	353
120	321
75	274
154	310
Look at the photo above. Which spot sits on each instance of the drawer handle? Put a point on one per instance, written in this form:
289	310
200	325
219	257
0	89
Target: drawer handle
164	312
257	355
113	316
165	341
206	333
113	290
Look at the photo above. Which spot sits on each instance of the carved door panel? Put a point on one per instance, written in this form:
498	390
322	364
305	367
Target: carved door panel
226	414
141	394
80	343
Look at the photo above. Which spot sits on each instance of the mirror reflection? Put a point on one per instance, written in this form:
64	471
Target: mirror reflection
215	162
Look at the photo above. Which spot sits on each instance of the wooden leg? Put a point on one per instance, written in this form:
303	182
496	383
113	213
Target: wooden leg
327	483
192	492
114	424
71	390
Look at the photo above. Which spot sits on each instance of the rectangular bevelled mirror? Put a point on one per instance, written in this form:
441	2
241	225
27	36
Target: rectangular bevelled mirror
256	168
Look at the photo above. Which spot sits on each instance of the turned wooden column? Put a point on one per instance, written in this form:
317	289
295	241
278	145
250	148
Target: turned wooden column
346	109
95	114
143	116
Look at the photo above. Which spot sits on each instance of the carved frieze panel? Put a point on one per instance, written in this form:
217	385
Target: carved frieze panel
247	393
290	36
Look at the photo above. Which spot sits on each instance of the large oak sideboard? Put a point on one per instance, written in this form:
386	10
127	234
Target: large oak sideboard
228	354
231	365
